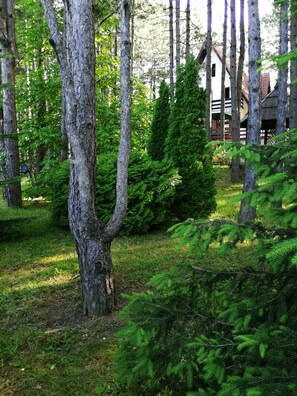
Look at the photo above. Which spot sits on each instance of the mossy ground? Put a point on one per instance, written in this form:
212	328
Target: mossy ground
46	346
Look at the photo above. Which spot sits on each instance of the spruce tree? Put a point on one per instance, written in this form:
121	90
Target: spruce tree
186	146
160	124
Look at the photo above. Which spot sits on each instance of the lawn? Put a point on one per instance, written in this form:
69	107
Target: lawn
46	346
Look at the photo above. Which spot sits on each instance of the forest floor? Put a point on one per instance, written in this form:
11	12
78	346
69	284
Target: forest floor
46	346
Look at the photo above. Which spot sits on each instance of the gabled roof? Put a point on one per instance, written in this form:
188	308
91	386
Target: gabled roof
219	52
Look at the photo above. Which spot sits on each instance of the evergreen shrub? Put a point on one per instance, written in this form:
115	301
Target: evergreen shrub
232	332
150	193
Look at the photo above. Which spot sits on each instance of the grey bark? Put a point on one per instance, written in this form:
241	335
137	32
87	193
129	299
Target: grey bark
208	69
188	30
223	76
234	97
12	191
254	117
76	58
177	33
283	72
171	47
240	63
293	68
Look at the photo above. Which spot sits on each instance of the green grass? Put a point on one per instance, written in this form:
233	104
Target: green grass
46	346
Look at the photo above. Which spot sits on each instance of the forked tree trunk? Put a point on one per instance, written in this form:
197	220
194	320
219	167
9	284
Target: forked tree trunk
76	57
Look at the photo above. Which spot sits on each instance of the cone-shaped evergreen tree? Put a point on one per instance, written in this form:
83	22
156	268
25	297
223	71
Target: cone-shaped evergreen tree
186	146
160	124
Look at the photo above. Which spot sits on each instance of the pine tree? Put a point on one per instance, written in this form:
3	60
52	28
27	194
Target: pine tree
160	124
186	146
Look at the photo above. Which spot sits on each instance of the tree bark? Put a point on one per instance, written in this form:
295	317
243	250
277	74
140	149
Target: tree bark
293	68
171	47
283	72
208	69
223	76
177	33
234	101
254	117
76	58
188	29
240	63
12	191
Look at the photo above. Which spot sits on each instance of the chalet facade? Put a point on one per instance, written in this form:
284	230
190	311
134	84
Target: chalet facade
216	75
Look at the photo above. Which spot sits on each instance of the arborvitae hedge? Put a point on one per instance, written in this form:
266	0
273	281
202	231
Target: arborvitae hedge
186	146
160	124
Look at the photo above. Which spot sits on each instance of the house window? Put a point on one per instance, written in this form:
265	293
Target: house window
227	93
213	70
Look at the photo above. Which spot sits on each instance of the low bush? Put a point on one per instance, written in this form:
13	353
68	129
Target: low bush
150	193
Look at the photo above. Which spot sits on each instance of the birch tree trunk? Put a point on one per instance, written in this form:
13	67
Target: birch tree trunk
76	58
171	47
283	72
208	69
254	116
234	100
12	191
223	76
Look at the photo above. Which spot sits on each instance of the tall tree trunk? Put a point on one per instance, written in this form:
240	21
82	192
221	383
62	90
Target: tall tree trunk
240	63
188	28
283	72
171	47
223	76
293	68
12	192
177	33
208	69
76	58
254	117
234	101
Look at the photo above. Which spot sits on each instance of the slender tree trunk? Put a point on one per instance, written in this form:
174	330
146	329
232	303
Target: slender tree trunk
240	63
283	72
177	33
223	76
171	47
76	58
293	68
188	28
234	102
12	192
208	70
254	117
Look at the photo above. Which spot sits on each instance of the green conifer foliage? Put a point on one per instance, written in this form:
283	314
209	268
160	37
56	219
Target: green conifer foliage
160	124
186	146
204	332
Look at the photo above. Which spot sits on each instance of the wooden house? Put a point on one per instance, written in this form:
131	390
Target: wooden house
216	73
